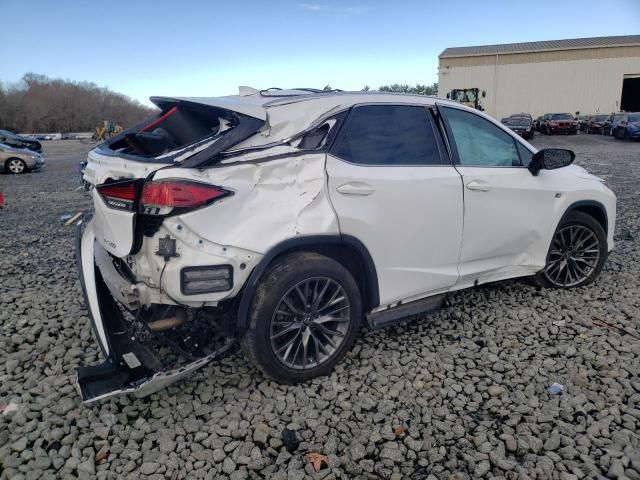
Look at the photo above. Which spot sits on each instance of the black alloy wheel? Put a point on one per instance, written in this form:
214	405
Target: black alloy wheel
577	253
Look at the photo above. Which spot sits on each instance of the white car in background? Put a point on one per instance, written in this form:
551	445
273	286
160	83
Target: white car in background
286	219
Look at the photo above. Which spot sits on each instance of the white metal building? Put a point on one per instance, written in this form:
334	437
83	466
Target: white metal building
585	75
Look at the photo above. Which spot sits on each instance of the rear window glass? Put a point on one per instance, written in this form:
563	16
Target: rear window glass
388	135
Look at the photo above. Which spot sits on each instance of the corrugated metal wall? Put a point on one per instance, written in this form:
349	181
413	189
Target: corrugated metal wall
592	85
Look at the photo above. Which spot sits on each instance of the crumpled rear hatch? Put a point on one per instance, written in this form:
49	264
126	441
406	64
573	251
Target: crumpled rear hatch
187	133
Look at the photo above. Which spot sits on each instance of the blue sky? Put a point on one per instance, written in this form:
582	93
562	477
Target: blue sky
208	48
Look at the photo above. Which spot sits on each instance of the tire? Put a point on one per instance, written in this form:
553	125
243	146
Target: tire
581	237
15	165
277	318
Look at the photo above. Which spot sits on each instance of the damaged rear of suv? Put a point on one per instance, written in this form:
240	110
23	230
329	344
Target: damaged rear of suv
283	218
185	209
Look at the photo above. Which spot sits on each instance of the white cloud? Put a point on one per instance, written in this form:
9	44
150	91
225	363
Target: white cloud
314	7
335	11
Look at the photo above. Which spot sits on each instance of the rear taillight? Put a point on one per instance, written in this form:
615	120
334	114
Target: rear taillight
120	195
160	197
163	197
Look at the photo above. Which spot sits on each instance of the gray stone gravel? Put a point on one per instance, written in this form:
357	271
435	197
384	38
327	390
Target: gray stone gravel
467	385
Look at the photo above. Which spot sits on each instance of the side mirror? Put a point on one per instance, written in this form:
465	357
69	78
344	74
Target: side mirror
484	93
550	159
448	95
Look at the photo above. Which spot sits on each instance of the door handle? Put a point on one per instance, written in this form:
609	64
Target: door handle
479	186
356	188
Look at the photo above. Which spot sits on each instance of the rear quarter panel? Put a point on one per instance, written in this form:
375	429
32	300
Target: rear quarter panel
272	201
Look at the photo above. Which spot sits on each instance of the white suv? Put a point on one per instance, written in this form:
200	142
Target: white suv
287	219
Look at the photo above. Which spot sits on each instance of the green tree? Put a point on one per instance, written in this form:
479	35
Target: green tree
418	89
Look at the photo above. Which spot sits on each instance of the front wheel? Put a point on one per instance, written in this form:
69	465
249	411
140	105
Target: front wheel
577	253
304	318
15	165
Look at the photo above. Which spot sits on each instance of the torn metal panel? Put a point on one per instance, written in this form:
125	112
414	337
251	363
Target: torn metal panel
272	202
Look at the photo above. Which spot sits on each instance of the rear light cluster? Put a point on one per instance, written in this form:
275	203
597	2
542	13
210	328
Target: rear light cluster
161	197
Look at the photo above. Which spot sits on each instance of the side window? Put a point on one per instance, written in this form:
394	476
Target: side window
479	142
322	135
388	135
525	154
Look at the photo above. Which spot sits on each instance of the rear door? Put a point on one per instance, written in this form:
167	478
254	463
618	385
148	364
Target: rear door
394	189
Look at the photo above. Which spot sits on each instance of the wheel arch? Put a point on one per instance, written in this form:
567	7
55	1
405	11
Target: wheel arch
345	249
593	208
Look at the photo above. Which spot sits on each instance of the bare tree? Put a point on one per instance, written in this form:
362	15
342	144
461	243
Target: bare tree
41	104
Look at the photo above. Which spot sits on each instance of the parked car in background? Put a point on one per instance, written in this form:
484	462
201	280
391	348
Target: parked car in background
19	160
543	121
583	121
18	141
286	219
522	114
611	122
560	123
536	123
596	122
521	125
629	128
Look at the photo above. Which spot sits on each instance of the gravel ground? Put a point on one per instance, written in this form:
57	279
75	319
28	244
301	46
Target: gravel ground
458	394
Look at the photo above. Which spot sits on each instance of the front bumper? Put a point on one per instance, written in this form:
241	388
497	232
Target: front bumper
563	130
633	134
130	366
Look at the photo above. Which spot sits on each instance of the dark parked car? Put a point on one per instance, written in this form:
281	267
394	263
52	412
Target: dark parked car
13	140
560	123
583	121
611	122
536	123
543	121
521	125
629	128
596	122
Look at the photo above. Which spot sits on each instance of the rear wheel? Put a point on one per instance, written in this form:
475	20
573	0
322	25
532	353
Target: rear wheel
15	165
577	253
304	318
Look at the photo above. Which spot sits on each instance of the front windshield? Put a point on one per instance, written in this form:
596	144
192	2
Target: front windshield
517	122
561	116
619	116
599	118
634	118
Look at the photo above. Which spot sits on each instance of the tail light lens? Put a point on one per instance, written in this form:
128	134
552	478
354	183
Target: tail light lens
164	197
120	195
160	198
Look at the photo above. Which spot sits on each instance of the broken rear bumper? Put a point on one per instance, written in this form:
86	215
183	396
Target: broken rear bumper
129	366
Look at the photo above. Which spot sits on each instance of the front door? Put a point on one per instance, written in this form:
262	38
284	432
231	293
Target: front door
393	190
507	210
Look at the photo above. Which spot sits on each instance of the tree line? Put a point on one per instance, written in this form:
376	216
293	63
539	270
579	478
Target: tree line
418	89
39	104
